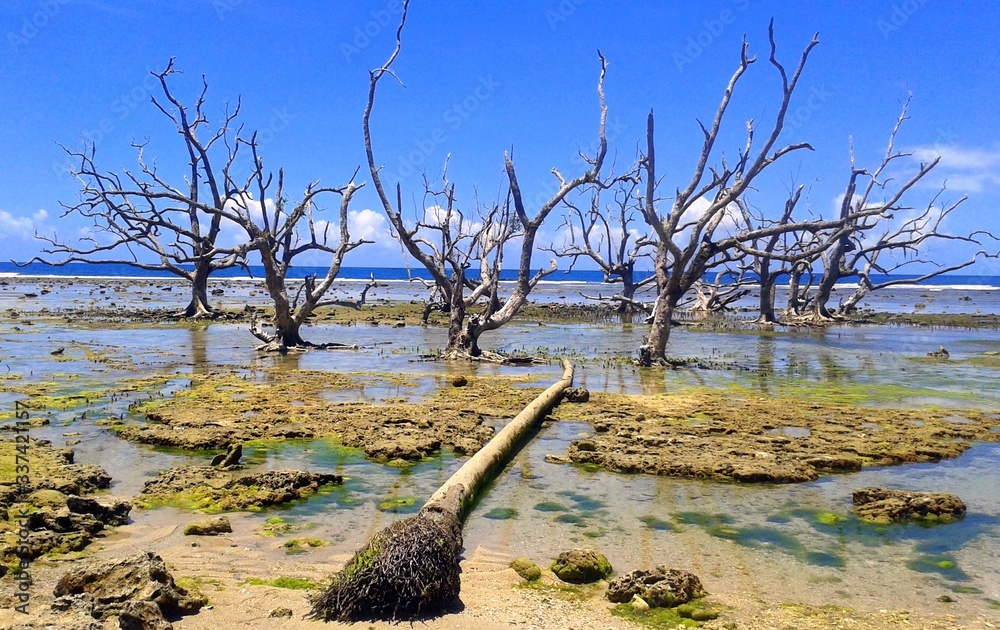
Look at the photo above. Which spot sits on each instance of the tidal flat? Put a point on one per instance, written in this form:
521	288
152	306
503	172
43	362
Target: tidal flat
648	471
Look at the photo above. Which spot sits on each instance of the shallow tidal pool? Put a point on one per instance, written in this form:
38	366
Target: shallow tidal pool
799	542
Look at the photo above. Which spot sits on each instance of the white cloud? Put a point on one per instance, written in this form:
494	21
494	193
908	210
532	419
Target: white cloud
22	227
436	215
727	227
966	169
371	226
960	158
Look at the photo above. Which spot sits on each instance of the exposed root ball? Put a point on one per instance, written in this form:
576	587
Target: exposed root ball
406	571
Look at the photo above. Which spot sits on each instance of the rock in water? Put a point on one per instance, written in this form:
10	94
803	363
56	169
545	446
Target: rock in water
881	505
577	394
581	566
138	589
660	588
233	456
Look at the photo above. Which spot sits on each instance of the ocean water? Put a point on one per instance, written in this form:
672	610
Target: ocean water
950	293
576	276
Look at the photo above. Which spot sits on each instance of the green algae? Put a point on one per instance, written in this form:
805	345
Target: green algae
830	519
501	514
401	505
654	617
561	591
942	564
301	545
658	524
572	519
724	526
550	506
284	582
966	590
215	501
702	519
583	502
276	526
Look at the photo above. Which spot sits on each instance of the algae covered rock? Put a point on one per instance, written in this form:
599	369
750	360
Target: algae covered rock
204	487
581	566
884	506
577	395
526	569
407	447
660	588
211	527
47	498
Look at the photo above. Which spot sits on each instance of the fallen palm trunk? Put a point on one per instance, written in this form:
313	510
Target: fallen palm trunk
410	569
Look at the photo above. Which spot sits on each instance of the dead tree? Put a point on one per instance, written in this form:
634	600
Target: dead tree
448	263
885	235
691	238
716	297
898	248
156	224
279	232
607	237
780	253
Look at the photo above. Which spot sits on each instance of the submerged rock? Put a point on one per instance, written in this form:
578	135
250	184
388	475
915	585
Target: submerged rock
581	566
881	505
659	588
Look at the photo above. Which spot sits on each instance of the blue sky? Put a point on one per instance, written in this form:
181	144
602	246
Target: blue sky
482	77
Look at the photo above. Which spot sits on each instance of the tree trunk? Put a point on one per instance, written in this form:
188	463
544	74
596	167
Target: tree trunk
199	307
654	350
410	569
823	293
767	283
460	343
286	324
626	306
851	303
795	302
